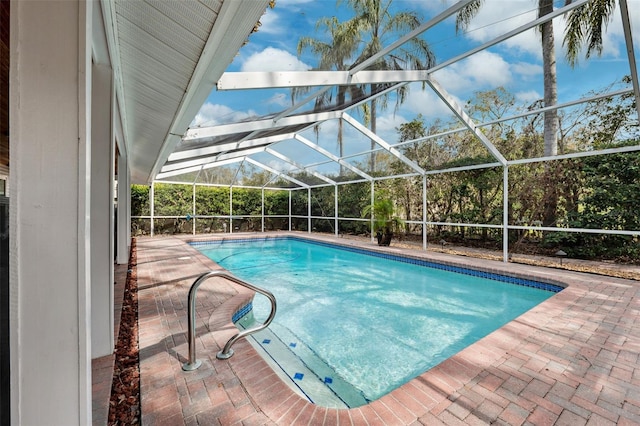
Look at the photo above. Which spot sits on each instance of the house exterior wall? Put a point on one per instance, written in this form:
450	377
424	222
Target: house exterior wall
50	184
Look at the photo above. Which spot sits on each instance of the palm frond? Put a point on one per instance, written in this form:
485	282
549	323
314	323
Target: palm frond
586	25
466	14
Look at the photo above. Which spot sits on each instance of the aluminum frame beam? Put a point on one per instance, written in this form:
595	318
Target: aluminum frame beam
377	139
466	120
288	79
207	160
333	157
512	33
626	27
229	146
362	76
424	27
263	124
199	168
298	165
432	22
276	172
516	116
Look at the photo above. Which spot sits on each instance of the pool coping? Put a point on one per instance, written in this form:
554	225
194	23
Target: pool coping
497	378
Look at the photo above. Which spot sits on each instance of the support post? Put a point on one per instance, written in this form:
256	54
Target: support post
424	212
290	211
309	210
124	212
335	212
193	210
505	213
151	206
372	202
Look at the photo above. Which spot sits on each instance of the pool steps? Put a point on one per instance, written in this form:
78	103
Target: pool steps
226	352
285	353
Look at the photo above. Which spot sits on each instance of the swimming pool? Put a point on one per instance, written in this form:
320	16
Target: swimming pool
361	322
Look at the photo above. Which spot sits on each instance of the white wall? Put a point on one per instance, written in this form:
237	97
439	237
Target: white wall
50	212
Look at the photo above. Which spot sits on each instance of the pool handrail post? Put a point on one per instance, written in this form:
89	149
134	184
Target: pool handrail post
226	352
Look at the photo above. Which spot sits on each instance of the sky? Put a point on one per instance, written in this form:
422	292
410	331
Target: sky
515	64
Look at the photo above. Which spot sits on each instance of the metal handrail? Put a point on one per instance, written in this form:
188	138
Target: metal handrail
226	352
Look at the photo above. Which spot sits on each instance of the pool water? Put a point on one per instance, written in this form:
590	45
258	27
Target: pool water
369	324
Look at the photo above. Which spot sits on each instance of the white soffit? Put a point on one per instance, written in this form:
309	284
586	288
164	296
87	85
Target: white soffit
169	56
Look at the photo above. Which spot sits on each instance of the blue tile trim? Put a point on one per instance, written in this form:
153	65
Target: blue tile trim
241	312
239	240
404	259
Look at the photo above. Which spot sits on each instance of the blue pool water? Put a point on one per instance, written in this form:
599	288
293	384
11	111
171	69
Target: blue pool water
366	324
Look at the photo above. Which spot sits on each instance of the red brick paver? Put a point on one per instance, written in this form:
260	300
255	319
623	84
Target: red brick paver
570	360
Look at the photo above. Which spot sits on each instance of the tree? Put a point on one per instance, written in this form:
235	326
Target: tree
408	190
374	22
351	200
334	55
385	221
140	200
545	7
586	24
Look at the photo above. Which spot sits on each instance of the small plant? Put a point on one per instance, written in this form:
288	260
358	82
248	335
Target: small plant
385	221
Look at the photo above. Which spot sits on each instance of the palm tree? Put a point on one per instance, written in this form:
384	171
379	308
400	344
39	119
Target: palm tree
585	22
545	7
334	55
375	22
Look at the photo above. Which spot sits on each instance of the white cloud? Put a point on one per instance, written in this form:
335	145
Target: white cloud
279	99
486	26
272	59
386	126
490	22
214	114
528	97
526	69
482	70
486	68
270	23
424	102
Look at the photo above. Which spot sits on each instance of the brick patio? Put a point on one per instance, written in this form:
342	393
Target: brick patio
572	360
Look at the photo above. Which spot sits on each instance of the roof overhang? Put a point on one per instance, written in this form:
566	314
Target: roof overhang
166	58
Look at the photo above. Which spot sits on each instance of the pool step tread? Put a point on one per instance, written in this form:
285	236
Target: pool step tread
327	388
